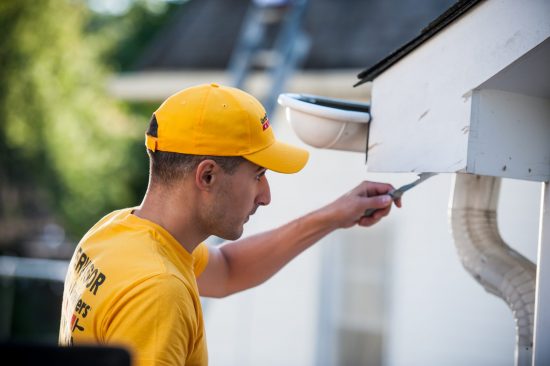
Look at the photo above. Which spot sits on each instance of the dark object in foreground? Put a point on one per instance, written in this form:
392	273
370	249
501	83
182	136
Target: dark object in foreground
23	354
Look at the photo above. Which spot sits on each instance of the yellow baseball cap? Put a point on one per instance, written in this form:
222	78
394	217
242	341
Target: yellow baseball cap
211	119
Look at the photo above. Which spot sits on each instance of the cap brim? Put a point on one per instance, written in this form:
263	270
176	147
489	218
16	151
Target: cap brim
280	157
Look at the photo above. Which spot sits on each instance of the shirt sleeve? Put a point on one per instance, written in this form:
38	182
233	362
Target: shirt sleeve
157	321
200	258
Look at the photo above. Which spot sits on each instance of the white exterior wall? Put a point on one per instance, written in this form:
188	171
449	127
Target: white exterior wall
436	313
439	314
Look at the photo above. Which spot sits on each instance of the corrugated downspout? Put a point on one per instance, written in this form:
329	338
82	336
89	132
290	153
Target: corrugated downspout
497	267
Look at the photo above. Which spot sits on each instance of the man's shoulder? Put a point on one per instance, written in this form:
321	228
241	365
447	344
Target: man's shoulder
122	242
117	240
106	221
112	217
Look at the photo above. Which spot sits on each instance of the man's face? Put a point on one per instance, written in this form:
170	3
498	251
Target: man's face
237	198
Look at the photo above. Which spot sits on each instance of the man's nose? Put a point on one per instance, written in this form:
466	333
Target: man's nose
264	195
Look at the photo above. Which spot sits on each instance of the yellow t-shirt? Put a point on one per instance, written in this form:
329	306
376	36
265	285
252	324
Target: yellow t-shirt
130	283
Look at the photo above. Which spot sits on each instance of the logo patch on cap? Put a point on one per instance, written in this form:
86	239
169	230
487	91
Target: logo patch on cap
265	122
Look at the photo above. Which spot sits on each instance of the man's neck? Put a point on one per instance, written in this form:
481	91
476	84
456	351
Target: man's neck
168	214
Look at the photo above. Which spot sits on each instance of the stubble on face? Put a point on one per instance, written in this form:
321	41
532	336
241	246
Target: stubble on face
221	220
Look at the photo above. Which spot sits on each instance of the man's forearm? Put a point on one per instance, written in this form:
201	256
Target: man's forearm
255	259
246	263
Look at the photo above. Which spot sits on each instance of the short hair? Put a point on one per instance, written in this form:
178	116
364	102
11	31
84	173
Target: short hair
169	167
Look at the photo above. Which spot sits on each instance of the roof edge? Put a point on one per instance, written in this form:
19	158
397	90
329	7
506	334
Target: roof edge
450	15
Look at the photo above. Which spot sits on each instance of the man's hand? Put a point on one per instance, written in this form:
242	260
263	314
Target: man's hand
349	209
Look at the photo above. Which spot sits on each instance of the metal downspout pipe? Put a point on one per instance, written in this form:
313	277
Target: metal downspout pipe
498	268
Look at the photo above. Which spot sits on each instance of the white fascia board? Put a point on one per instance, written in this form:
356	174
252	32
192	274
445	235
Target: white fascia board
421	106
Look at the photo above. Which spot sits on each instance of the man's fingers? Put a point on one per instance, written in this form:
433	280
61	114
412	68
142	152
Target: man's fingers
365	187
398	202
376	189
367	221
369	189
379	201
376	216
371	205
367	203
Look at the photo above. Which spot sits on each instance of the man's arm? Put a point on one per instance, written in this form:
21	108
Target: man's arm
248	262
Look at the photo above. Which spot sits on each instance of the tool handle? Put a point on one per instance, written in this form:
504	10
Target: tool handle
395	194
369	211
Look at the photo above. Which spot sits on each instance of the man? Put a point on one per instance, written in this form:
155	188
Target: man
135	278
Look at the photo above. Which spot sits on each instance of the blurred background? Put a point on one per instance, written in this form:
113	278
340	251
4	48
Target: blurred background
79	80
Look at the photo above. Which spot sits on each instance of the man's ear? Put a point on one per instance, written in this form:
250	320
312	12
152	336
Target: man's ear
206	174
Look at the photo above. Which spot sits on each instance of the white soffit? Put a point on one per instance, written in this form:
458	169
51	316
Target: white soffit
510	120
421	106
529	75
509	135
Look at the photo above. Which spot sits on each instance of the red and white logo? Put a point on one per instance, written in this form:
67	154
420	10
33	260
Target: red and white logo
265	122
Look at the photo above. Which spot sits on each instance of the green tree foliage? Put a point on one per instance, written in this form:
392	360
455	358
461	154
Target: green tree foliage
132	31
66	148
